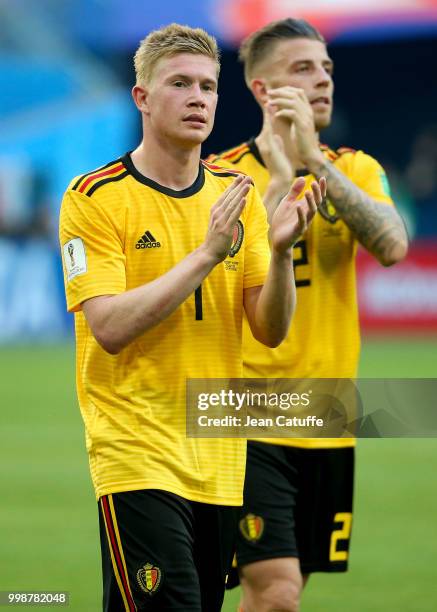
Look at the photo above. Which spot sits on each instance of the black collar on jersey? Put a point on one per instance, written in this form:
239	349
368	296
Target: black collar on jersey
253	147
173	193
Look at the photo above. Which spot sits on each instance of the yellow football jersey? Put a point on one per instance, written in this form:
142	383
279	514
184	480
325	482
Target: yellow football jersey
324	337
120	230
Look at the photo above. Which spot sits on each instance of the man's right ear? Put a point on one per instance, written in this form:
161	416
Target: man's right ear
140	96
259	90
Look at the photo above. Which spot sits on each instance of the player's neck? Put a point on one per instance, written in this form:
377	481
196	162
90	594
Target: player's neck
170	166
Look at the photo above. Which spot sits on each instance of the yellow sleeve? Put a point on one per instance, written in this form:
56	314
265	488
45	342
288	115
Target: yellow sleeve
368	175
92	251
257	251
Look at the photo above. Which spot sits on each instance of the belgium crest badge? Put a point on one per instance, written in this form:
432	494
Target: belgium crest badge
149	578
328	212
252	527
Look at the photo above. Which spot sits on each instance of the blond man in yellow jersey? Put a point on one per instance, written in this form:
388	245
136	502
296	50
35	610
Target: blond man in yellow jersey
298	494
146	242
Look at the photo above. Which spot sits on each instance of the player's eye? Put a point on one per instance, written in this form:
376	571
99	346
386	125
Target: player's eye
179	84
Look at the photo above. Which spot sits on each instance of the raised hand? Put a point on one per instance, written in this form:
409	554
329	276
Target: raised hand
291	103
224	215
292	217
272	151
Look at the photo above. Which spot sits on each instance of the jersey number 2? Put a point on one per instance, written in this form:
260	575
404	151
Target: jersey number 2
344	533
301	261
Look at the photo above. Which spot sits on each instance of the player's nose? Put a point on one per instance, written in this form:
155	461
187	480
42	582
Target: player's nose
198	96
323	77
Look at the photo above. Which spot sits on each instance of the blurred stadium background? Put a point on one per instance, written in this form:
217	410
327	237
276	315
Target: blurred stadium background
65	74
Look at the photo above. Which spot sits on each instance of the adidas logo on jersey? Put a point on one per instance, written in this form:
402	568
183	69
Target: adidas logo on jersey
147	241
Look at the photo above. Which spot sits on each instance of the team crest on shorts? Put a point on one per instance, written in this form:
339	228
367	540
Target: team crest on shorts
149	578
328	212
252	527
237	239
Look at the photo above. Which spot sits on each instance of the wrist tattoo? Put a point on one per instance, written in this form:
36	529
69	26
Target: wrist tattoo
378	227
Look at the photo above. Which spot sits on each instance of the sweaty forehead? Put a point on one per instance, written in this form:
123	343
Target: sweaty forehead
189	64
298	50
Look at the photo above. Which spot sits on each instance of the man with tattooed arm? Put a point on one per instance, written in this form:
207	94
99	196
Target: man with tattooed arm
297	513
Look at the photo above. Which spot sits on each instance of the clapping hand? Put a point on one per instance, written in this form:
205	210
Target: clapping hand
223	217
292	216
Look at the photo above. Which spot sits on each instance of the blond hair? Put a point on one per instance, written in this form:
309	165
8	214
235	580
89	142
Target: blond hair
168	41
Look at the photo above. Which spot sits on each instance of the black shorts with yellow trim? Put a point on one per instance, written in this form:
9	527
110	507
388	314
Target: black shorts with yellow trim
297	503
163	552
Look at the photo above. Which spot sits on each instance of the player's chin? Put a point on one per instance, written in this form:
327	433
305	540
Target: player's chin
196	136
322	121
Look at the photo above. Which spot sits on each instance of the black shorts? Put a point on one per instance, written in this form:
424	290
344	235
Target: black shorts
162	552
297	503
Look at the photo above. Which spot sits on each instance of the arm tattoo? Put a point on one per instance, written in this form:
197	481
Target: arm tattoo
378	227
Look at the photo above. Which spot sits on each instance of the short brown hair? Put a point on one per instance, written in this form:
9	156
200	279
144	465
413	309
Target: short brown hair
255	47
168	41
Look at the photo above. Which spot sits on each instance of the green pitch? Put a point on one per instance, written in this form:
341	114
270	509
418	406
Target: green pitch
48	514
